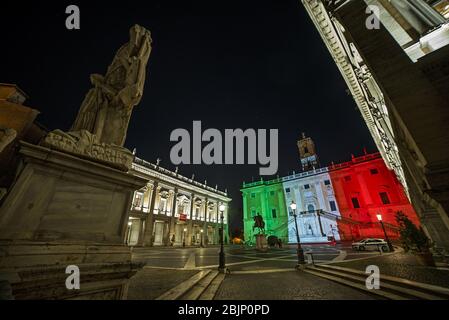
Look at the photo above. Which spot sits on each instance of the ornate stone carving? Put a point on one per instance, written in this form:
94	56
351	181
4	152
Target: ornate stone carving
107	107
87	145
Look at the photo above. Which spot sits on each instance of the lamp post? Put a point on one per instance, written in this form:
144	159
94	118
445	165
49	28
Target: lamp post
299	250
390	247
222	262
128	238
184	238
201	238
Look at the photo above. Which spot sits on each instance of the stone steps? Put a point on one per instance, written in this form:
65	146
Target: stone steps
201	286
391	288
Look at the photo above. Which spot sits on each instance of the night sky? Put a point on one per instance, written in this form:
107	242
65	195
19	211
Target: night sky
230	64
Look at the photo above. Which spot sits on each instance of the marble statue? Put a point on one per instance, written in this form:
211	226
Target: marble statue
107	107
99	131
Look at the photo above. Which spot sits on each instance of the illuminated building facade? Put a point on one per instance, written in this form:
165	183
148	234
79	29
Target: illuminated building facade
338	202
398	75
174	210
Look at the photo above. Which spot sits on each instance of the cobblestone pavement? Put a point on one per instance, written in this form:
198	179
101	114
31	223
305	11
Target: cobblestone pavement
402	265
294	285
240	258
148	284
167	267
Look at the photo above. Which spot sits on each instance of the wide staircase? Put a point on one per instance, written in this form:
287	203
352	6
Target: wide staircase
202	286
391	288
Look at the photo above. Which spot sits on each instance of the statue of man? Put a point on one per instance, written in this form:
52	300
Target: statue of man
106	109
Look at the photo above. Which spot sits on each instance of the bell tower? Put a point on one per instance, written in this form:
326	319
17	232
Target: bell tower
307	153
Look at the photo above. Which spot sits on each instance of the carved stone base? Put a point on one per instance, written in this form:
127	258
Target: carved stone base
86	145
36	270
63	210
261	242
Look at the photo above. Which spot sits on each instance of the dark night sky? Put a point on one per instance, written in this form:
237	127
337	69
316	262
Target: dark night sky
230	64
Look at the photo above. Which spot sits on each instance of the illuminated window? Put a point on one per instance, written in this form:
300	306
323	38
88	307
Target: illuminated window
310	208
163	205
384	197
355	203
333	205
138	200
253	212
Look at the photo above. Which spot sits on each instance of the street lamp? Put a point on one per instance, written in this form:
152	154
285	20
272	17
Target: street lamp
222	262
299	251
184	237
129	233
201	238
390	247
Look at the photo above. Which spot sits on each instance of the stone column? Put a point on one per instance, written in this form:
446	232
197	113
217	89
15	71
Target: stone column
205	237
172	222
149	223
318	213
141	232
190	225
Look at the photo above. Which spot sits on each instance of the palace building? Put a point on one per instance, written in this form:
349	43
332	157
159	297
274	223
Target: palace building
174	210
397	72
338	202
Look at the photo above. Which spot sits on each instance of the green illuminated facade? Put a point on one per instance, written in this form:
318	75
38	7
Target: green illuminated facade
269	201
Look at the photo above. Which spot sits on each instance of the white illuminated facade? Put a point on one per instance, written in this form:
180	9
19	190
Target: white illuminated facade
316	207
173	210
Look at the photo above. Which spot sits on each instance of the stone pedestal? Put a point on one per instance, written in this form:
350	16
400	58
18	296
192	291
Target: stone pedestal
63	210
261	242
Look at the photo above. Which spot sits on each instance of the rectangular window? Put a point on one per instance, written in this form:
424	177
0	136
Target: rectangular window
384	197
348	178
273	213
253	195
138	200
374	171
287	190
333	205
307	186
327	182
355	203
253	213
272	193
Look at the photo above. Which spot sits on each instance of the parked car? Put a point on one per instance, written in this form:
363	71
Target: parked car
370	245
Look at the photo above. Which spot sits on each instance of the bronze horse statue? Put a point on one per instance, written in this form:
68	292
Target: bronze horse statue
259	223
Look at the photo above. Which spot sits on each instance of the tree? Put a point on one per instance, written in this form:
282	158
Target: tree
412	237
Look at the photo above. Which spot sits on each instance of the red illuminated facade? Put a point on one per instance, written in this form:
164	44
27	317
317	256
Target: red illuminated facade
364	188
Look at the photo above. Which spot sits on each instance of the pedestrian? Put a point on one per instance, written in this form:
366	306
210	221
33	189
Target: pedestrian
280	243
172	242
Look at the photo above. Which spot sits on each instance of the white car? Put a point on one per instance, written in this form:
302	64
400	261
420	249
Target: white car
370	245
